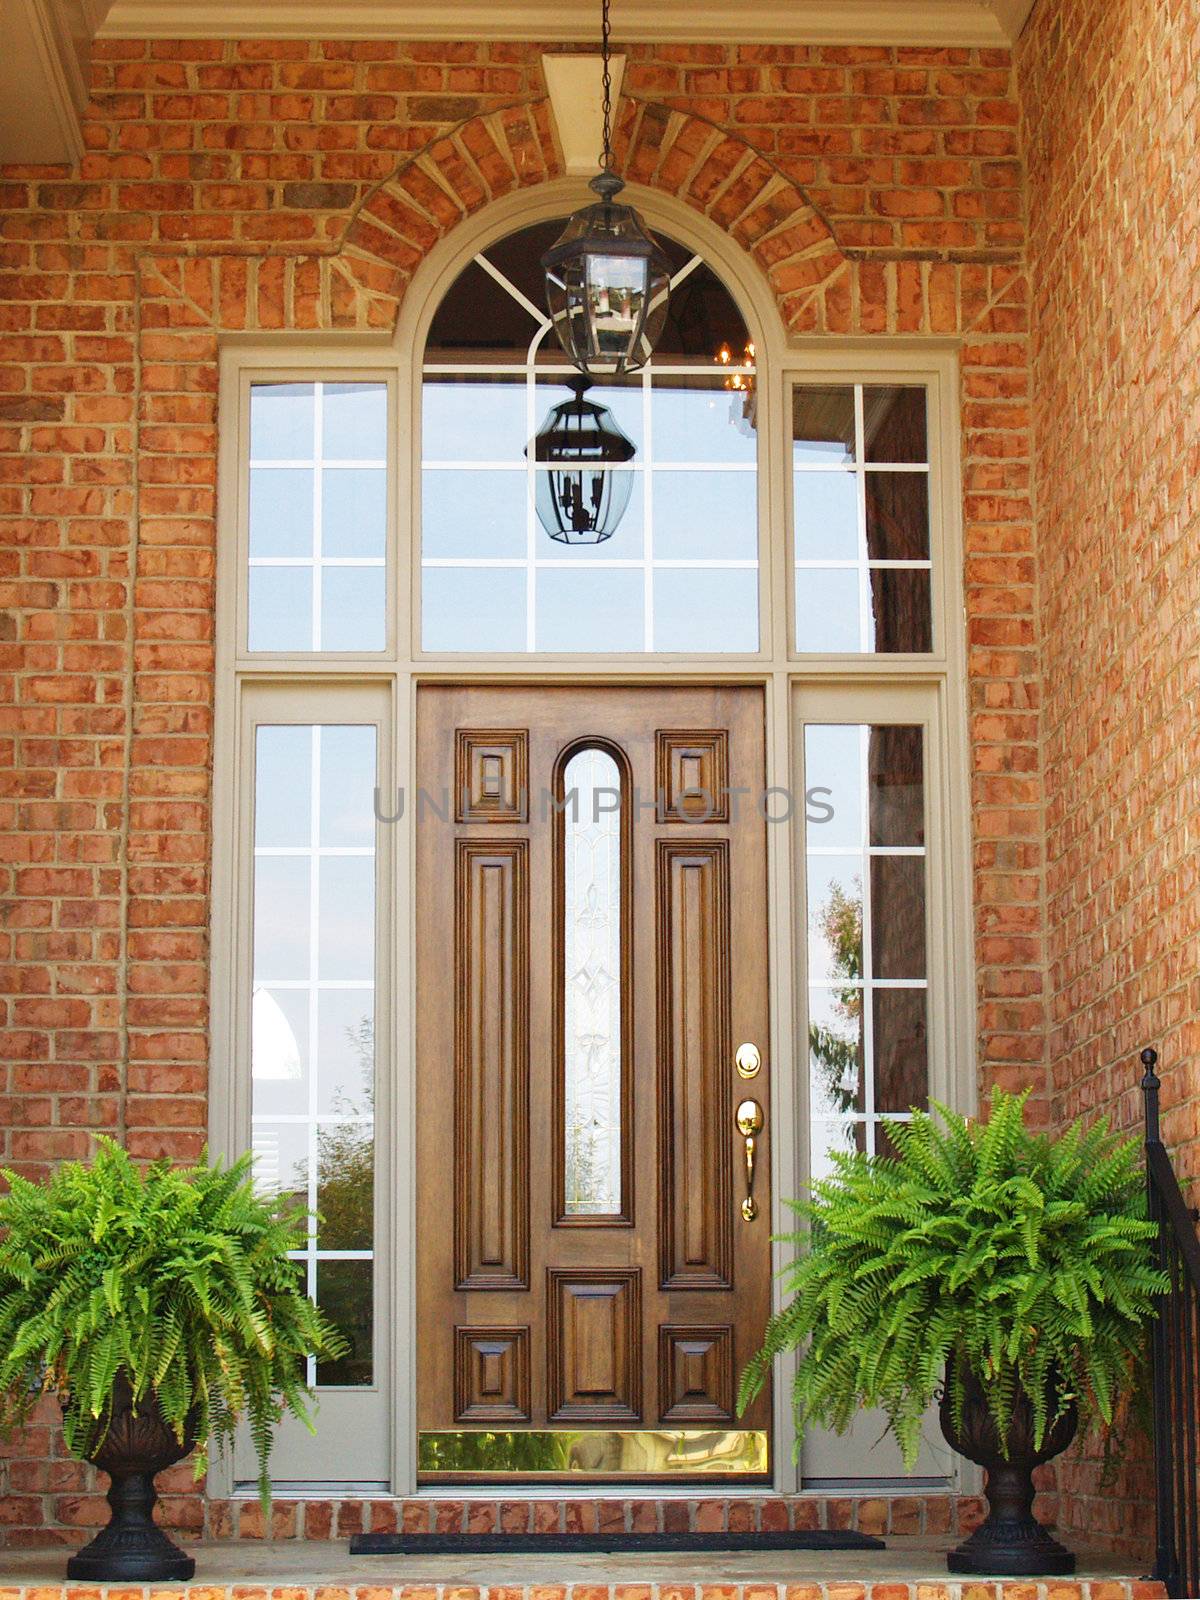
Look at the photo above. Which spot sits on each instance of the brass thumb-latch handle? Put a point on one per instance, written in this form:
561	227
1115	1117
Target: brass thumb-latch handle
749	1119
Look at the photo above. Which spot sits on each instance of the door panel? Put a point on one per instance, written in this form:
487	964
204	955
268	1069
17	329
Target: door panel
591	952
491	1092
694	1055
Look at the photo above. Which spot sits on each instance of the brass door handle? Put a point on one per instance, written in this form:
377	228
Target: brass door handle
749	1120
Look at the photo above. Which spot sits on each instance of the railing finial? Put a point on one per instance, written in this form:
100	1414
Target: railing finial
1150	1087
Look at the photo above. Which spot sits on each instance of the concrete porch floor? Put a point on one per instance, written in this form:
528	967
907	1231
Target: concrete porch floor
909	1569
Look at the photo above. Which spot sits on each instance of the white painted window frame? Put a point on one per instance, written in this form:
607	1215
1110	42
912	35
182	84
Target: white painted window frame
934	683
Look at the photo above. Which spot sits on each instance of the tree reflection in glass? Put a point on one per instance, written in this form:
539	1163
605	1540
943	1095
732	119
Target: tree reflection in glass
837	1052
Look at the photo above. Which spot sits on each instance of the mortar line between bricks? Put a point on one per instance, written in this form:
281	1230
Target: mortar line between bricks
129	703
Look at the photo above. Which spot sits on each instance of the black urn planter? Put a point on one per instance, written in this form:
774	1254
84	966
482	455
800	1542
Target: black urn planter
1011	1542
132	1547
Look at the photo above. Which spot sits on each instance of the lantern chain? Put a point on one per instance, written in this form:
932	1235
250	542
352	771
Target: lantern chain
605	33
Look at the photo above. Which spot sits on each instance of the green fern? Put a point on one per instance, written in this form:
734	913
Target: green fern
179	1277
978	1248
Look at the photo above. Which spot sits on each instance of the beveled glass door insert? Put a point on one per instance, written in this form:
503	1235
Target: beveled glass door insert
592	953
592	905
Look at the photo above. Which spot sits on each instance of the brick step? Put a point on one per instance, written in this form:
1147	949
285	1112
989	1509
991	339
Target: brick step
909	1569
932	1515
840	1589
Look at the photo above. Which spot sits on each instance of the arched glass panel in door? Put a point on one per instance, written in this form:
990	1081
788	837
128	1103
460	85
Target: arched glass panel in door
593	878
677	569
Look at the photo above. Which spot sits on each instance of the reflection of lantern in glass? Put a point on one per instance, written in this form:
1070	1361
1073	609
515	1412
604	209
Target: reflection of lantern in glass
607	281
579	497
739	379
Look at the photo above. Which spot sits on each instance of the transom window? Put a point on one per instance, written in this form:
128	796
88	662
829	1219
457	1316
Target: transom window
679	572
860	491
317	516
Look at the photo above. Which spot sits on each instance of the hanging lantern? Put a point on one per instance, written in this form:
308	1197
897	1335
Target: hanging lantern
607	281
578	497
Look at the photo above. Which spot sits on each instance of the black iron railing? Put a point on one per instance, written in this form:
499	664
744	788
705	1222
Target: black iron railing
1175	1345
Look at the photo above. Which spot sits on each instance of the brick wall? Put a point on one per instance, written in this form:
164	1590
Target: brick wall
272	185
1109	90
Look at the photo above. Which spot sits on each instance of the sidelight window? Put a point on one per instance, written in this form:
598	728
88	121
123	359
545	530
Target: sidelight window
313	1011
865	868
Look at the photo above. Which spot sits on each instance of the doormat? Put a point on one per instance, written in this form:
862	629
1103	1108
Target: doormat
568	1544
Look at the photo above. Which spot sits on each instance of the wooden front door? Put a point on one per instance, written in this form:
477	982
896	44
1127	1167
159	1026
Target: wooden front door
591	924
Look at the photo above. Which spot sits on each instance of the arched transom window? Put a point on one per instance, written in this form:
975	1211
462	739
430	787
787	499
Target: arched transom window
676	569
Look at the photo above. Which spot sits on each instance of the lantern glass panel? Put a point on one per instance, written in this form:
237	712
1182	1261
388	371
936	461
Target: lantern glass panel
615	304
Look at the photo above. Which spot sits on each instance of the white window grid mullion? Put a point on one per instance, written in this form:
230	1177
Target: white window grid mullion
870	849
886	563
865	642
532	375
648	509
334	1255
869	1117
837	984
531	517
919	467
744	468
326	985
339	465
849	1119
327	1119
868	964
563	369
317	563
864	564
662	563
506	283
314	929
310	850
318	508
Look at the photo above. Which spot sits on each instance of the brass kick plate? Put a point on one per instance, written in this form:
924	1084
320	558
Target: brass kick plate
594	1452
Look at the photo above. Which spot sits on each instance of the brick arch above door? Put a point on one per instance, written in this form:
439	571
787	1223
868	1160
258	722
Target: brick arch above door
715	172
359	281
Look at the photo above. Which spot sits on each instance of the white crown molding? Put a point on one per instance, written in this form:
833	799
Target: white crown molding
43	79
1012	15
933	22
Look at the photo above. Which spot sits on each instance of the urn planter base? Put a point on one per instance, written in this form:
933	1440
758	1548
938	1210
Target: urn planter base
138	1445
1011	1542
132	1548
